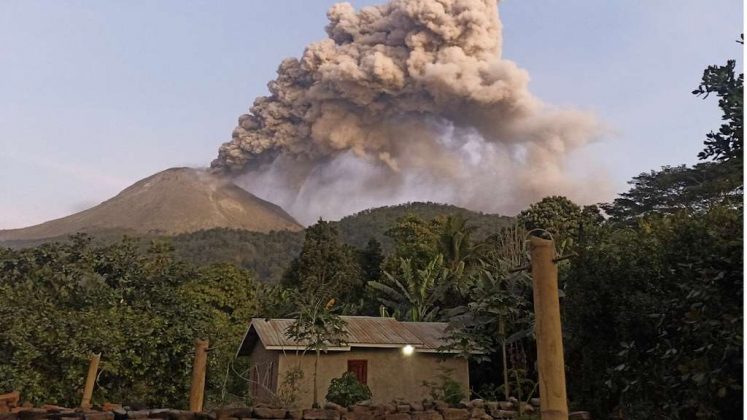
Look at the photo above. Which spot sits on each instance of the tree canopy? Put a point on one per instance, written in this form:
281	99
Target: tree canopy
727	143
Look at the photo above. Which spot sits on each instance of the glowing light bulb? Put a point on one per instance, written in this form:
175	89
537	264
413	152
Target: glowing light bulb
408	350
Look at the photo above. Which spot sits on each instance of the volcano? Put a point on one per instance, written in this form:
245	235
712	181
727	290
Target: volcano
177	200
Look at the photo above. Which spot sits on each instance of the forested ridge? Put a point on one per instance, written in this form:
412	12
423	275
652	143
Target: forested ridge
268	254
651	299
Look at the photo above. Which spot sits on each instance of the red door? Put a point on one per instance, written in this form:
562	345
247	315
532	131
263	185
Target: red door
359	368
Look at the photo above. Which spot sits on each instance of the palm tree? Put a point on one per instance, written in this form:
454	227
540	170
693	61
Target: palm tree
414	294
455	241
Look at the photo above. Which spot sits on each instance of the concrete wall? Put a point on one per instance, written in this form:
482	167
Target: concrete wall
391	374
263	373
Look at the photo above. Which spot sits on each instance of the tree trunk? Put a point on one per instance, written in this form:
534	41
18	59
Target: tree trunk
316	394
518	392
502	332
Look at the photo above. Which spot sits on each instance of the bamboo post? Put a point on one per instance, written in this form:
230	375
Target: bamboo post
553	400
197	391
93	367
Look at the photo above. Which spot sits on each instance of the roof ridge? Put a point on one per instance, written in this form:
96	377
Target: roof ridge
362	331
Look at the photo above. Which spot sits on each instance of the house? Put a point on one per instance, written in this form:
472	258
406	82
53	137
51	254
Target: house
393	358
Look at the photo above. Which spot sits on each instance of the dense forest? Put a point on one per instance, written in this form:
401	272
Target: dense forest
651	301
267	255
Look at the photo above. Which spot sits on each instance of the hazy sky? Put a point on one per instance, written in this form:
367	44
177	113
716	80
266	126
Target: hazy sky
97	94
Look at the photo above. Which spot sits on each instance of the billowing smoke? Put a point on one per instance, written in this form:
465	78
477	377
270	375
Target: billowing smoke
408	101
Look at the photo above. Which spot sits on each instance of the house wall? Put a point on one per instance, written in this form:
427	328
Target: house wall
263	374
391	374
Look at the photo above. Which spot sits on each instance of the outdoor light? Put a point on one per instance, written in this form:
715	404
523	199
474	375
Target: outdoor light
408	350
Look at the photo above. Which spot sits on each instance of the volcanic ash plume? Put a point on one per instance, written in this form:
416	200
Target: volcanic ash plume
406	101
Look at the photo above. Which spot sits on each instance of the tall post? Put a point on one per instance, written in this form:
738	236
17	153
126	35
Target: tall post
93	367
553	400
199	366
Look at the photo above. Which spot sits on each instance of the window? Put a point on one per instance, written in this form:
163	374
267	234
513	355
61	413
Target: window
359	368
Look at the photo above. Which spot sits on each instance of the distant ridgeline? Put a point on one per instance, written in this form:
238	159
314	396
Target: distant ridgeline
268	254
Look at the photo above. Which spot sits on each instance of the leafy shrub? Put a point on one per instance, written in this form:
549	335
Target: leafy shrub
447	389
491	392
346	390
290	389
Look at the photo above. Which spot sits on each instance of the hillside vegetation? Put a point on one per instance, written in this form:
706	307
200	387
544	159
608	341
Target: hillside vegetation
268	254
357	229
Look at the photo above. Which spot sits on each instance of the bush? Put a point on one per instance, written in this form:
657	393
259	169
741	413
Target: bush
447	390
290	389
346	390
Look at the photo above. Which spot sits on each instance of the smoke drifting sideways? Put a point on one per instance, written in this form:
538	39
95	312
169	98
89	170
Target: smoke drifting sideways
407	101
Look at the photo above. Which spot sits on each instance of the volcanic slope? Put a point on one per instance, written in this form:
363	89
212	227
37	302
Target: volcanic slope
177	200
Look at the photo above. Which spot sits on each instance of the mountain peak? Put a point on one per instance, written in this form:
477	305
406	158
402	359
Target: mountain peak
173	201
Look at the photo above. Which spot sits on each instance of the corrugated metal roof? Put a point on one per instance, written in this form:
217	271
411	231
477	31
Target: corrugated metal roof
362	331
431	334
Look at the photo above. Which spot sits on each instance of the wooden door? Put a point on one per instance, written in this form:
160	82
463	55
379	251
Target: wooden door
359	368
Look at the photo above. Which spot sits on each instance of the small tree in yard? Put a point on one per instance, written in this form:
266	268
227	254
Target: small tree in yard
318	327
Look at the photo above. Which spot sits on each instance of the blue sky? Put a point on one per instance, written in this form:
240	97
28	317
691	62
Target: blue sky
98	94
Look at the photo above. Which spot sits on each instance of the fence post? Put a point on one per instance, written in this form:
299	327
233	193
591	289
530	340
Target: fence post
93	367
553	399
197	391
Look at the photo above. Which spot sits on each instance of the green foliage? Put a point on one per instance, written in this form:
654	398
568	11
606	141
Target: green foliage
289	390
325	265
679	188
370	259
446	388
413	294
227	298
142	309
317	326
728	142
498	313
559	216
497	309
269	254
277	302
446	237
657	305
659	309
266	254
415	239
455	242
523	387
360	227
490	392
346	390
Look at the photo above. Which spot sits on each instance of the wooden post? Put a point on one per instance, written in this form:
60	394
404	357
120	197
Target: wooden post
9	401
553	400
93	367
197	391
